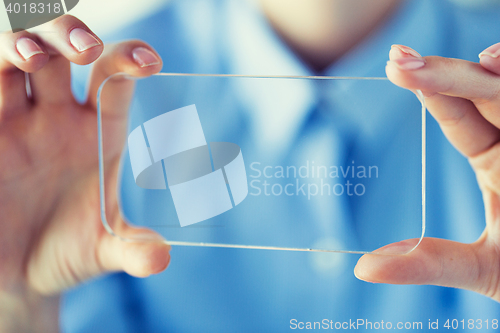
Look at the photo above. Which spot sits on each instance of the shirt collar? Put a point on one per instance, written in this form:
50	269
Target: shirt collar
253	48
415	23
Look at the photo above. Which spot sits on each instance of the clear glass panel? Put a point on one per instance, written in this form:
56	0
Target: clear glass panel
286	163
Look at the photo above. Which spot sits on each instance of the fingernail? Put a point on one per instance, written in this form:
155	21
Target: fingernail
82	40
492	51
144	57
407	50
408	64
361	277
27	48
396	248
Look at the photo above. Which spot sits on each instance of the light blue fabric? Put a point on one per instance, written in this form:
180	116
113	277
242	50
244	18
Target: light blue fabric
218	290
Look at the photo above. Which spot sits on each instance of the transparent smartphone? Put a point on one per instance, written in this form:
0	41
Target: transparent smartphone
284	163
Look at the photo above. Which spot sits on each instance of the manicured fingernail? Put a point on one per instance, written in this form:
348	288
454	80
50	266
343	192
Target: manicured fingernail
27	48
407	50
492	51
144	57
396	248
82	40
361	277
408	64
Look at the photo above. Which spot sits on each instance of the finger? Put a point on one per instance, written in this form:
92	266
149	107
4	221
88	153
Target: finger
487	168
435	262
135	58
18	52
451	77
13	96
462	124
459	118
23	51
63	38
490	58
148	255
68	40
51	85
401	51
59	262
70	37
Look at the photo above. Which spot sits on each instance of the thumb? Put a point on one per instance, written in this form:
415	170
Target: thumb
60	261
436	262
141	252
135	58
490	58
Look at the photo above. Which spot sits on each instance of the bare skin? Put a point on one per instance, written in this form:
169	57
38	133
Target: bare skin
51	235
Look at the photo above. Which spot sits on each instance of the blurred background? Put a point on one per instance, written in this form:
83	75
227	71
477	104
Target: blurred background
104	16
111	15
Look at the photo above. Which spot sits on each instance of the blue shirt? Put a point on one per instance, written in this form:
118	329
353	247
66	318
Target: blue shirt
246	291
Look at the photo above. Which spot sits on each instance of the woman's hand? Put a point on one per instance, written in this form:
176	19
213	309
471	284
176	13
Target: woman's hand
464	98
51	235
